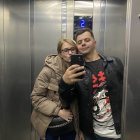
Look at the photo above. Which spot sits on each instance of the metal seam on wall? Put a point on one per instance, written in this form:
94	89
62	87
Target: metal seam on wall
64	18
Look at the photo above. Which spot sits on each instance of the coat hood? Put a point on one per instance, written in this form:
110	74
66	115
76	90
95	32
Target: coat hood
56	63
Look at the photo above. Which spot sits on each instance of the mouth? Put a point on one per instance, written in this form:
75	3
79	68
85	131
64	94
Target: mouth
84	48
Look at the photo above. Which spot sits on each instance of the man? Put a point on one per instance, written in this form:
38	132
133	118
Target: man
99	93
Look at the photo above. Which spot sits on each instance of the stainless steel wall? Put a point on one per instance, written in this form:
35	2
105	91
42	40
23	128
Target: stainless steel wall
115	26
46	30
1	66
46	26
131	115
15	70
30	30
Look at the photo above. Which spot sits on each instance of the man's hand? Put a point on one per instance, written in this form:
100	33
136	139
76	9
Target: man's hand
71	74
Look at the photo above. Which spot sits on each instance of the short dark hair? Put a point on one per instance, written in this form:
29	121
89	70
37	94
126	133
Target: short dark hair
80	31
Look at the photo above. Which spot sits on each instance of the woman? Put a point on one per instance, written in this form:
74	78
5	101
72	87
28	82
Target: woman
45	97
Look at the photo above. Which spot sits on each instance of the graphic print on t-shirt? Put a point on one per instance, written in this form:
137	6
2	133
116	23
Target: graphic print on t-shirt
103	121
101	102
103	124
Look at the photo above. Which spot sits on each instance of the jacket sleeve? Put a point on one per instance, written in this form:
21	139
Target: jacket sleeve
120	72
67	93
119	67
39	96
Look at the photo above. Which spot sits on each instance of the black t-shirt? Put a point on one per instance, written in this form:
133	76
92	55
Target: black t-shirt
103	123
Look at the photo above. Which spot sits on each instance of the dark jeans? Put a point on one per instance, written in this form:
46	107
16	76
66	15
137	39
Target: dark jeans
103	138
98	138
67	136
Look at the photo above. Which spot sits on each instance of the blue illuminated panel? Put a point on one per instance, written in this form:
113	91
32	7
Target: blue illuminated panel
82	22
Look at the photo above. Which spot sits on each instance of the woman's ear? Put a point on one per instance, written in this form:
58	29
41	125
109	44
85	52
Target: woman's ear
60	55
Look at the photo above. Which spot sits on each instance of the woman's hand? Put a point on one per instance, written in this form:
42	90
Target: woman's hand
81	135
66	114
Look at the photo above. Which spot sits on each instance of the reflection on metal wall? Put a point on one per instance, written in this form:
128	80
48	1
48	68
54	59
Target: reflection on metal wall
46	31
109	19
70	15
115	22
30	30
99	15
131	114
1	68
15	70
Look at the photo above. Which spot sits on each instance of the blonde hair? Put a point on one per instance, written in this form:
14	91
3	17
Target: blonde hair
62	41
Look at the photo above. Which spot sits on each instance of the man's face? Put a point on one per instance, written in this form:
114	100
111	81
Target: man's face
66	51
85	43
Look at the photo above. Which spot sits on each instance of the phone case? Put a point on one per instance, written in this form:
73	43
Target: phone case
77	59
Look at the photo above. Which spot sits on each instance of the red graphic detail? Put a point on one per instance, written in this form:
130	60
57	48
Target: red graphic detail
96	80
94	92
108	110
107	100
101	76
95	86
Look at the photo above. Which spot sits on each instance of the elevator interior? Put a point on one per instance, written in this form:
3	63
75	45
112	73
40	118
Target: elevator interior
30	30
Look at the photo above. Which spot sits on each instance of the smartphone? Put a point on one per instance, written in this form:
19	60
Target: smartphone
78	59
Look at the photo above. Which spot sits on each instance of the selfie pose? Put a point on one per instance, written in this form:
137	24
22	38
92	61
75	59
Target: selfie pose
50	119
98	92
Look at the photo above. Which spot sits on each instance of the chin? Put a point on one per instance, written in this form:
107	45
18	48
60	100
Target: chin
68	60
84	53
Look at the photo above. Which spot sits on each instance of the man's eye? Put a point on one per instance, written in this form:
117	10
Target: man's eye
79	42
87	39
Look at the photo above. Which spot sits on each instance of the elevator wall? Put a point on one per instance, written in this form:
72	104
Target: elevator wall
131	111
30	30
15	70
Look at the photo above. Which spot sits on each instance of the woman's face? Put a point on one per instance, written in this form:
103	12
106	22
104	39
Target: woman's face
66	51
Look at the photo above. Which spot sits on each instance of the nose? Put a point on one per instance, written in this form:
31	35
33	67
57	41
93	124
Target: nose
83	43
70	52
